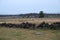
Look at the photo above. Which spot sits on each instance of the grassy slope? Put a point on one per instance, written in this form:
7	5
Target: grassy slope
25	34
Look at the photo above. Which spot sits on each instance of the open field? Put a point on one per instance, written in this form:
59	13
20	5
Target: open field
26	34
31	20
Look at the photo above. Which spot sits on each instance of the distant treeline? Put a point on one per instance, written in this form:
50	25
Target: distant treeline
41	14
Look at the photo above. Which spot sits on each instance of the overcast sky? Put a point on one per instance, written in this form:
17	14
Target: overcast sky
29	6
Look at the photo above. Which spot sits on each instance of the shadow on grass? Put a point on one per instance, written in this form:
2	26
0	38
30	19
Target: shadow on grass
4	38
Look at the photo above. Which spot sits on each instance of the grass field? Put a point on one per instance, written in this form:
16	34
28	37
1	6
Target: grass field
26	34
31	20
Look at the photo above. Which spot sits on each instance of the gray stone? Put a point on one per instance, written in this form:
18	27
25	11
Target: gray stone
38	33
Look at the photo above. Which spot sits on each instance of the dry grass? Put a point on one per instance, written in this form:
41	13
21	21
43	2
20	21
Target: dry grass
31	20
25	34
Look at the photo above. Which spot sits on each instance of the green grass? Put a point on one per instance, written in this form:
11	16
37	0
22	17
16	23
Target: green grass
26	34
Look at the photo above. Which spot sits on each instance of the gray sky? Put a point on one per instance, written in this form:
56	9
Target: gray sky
29	6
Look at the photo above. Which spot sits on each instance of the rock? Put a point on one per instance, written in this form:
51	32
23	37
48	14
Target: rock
38	33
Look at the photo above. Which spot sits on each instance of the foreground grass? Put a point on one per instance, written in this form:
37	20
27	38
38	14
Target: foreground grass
26	34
